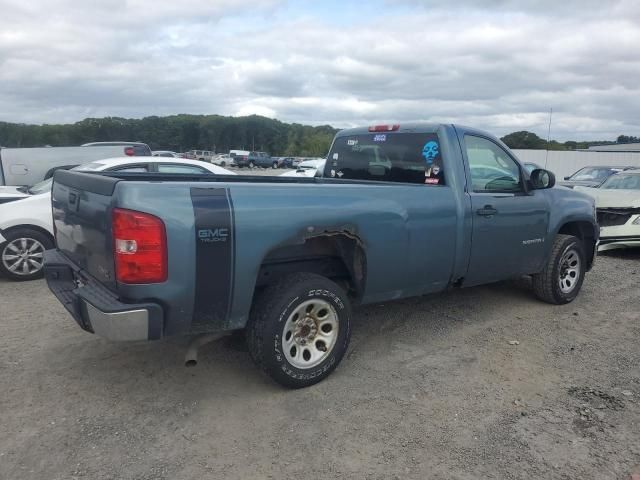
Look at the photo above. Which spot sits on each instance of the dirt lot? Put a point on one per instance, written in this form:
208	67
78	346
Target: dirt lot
431	388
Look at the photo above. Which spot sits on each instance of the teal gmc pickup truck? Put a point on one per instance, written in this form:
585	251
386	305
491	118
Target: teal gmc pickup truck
399	211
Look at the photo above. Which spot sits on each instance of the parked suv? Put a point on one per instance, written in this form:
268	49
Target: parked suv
203	155
256	159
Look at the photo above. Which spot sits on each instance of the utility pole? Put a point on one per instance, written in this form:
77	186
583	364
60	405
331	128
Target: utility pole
546	156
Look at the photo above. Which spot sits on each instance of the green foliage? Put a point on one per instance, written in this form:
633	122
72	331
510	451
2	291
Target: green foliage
524	139
179	133
531	141
628	139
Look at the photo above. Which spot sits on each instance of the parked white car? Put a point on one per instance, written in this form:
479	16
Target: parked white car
164	153
26	225
618	210
222	159
308	168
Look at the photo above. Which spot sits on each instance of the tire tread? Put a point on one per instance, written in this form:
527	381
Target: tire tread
271	299
544	282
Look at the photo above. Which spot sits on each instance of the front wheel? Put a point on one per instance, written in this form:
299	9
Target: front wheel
299	329
561	279
21	256
223	164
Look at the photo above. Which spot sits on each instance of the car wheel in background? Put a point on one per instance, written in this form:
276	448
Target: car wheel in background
275	165
223	164
561	279
299	329
22	255
251	164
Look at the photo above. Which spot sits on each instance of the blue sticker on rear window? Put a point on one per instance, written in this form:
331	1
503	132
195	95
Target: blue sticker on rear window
430	151
380	138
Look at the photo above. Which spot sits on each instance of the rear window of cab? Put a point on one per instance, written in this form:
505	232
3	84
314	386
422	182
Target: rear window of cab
387	157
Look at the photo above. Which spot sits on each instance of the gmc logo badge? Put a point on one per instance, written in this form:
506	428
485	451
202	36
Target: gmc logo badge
210	235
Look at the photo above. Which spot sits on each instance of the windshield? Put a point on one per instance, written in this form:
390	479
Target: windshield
593	174
45	185
623	181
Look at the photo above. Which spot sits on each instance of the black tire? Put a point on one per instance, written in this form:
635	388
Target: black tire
6	250
547	283
223	164
271	313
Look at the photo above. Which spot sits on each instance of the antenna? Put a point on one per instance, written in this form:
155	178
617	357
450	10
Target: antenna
546	155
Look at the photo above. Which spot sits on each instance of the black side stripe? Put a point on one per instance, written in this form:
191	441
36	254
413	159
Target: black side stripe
214	239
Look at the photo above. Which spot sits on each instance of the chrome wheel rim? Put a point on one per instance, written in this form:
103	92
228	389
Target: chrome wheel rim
23	256
569	271
310	334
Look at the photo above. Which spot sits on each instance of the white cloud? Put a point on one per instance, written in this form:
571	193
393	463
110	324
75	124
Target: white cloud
497	64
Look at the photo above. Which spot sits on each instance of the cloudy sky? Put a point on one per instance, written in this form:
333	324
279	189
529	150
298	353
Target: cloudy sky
493	64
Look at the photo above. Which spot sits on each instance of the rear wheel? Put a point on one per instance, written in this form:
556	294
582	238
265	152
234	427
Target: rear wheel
299	329
561	279
21	256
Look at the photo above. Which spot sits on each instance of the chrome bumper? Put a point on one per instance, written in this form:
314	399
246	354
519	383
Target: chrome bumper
129	325
96	308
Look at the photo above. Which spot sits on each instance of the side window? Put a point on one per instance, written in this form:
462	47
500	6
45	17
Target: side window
131	169
173	168
492	169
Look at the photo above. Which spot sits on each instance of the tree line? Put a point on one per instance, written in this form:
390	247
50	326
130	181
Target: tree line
531	141
179	133
221	134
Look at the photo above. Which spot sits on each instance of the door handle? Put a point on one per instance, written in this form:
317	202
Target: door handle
487	211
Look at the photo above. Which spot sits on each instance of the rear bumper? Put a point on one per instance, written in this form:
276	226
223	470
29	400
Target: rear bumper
95	308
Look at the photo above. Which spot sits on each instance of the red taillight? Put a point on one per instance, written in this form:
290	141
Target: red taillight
139	247
384	128
129	151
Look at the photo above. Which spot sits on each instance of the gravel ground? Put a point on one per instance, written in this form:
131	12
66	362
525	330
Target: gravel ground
432	387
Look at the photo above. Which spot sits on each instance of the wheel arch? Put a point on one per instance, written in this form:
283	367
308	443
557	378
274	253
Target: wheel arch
339	256
29	226
586	231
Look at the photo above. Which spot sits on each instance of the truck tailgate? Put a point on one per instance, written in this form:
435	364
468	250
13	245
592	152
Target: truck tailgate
82	207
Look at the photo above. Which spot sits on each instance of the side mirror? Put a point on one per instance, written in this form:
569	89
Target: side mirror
541	179
567	178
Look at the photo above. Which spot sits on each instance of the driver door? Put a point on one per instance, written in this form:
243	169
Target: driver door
509	223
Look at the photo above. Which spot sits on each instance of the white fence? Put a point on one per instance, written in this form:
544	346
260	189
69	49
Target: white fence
564	163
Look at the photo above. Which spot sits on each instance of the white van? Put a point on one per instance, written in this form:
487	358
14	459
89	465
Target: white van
28	166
